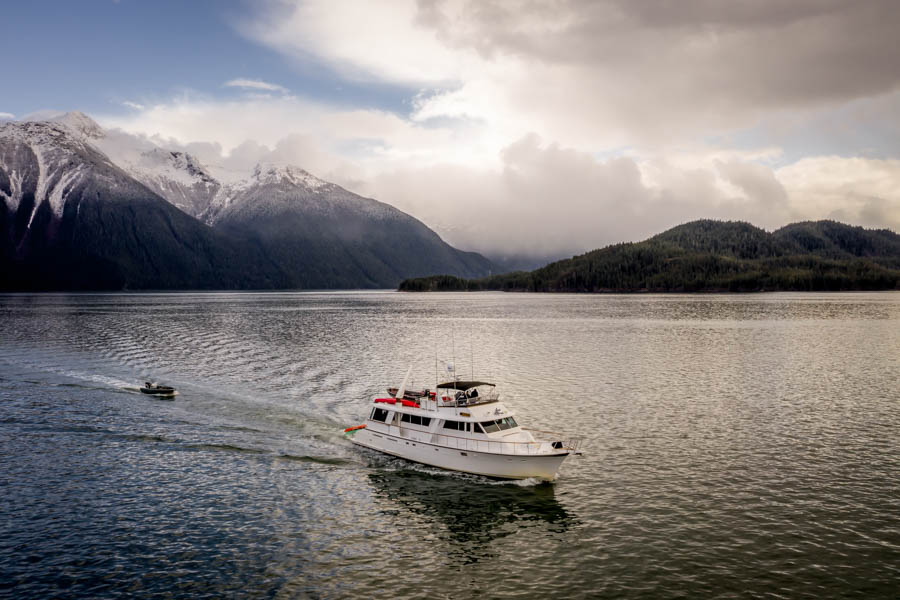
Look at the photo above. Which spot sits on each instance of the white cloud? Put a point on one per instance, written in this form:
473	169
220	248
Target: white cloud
133	105
6	115
373	140
255	84
863	191
364	40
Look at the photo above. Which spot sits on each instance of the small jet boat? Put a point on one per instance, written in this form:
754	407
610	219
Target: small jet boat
159	391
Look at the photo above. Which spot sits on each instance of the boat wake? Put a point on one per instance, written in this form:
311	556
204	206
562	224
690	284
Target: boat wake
105	381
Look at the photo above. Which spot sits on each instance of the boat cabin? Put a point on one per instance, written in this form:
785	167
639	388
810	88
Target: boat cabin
459	409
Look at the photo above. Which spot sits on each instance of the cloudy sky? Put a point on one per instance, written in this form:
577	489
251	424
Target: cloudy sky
528	127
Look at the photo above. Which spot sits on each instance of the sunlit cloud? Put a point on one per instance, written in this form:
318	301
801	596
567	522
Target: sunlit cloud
255	84
600	74
363	40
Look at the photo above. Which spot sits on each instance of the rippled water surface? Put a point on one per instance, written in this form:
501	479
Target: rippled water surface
736	446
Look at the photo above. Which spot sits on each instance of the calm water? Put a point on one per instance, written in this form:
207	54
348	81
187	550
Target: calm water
736	446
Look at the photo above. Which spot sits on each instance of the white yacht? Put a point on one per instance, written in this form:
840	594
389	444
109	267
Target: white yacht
461	426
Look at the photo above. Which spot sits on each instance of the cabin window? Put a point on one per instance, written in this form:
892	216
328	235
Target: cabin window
416	420
499	425
478	428
507	423
490	426
379	414
454	425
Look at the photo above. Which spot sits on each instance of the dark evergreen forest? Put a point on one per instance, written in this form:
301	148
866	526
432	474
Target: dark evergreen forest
710	256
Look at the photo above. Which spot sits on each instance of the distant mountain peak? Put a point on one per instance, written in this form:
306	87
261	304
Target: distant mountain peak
280	174
80	124
179	161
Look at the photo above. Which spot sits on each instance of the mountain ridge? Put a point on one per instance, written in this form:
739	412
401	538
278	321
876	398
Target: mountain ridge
71	217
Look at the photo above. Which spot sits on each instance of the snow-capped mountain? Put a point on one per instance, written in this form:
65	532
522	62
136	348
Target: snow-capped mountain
88	208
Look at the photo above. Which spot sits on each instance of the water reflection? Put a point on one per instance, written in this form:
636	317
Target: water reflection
472	514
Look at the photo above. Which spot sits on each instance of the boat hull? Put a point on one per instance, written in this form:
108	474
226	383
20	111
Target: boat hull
159	393
502	466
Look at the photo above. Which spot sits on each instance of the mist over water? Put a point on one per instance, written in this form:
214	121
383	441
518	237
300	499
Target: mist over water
734	446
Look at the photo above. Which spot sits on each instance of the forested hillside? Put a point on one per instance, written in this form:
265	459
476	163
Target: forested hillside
707	255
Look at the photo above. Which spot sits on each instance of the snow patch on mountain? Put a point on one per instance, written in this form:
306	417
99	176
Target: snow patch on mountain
13	195
61	189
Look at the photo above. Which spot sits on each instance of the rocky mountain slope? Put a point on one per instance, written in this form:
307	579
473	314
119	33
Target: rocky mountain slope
178	177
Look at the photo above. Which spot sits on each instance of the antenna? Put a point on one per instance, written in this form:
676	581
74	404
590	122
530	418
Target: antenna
453	344
472	350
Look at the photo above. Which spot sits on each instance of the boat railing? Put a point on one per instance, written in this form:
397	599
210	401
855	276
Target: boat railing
502	447
571	443
448	397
